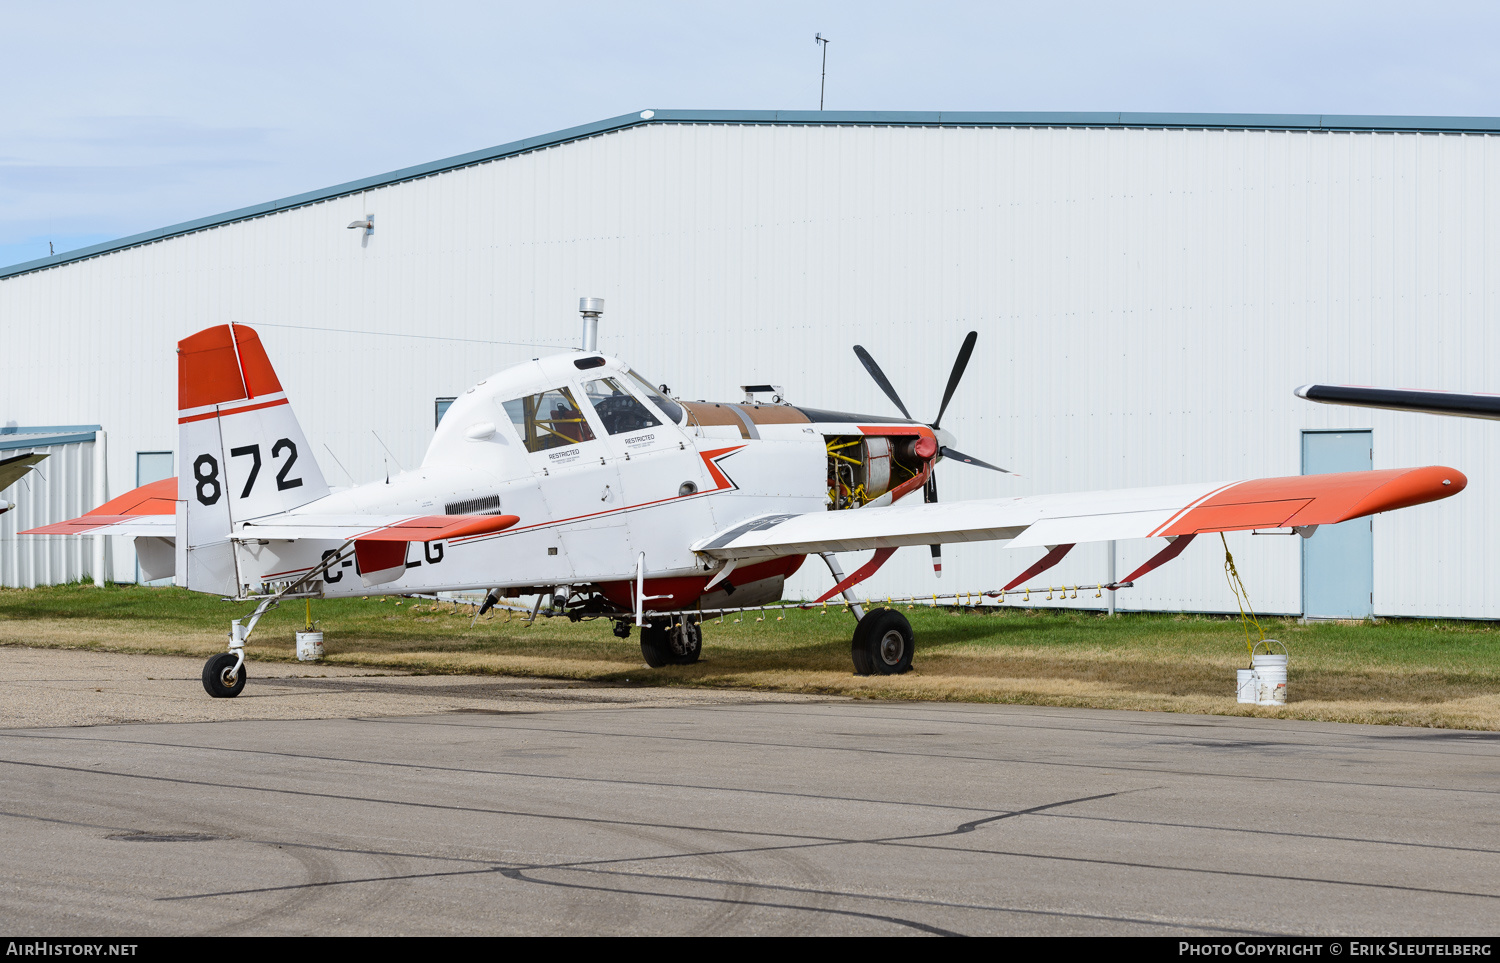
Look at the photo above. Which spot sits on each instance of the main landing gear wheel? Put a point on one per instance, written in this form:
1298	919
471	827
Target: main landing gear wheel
663	643
883	643
216	680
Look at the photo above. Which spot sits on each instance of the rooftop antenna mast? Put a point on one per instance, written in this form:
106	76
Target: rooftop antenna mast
823	83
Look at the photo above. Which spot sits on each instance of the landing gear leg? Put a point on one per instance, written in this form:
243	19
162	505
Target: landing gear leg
224	674
832	562
883	643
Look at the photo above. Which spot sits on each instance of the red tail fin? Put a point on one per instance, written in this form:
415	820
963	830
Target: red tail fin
223	363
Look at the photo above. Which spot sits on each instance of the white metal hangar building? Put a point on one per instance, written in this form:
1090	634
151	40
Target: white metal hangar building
1148	291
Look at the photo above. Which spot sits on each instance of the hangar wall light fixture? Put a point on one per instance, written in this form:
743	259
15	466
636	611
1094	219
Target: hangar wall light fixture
368	224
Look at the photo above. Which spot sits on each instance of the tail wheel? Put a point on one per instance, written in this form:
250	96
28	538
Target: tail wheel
217	681
883	643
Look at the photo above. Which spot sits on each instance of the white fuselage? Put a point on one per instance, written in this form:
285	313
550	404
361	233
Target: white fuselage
590	510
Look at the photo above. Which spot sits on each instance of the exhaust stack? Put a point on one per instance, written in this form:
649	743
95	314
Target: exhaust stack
590	308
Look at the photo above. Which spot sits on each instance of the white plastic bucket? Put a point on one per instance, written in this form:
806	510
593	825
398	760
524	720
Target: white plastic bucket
309	646
1270	674
1246	686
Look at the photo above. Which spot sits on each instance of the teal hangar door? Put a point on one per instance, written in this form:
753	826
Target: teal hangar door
1338	561
152	466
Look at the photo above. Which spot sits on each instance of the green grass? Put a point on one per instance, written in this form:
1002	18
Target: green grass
1397	671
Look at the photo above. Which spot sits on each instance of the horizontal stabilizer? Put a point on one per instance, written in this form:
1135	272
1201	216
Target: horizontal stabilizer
148	510
374	528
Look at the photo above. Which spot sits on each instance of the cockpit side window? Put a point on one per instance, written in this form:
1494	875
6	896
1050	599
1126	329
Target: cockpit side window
550	419
617	408
668	407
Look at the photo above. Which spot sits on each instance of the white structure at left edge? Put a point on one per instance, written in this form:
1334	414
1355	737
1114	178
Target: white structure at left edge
69	482
1148	290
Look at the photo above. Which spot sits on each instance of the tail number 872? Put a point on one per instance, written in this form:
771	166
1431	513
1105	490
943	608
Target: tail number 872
206	471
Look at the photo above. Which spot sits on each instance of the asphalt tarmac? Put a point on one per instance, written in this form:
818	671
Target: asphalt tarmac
360	804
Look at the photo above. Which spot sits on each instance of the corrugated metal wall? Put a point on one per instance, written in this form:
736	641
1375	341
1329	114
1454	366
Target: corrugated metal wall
1146	301
61	487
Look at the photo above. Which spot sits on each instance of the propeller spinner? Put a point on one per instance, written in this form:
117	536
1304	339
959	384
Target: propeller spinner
929	491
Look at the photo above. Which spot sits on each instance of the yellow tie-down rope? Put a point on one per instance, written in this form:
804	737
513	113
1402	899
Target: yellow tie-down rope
1241	597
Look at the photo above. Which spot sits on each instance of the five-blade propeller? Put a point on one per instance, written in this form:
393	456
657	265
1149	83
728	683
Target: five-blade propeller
929	491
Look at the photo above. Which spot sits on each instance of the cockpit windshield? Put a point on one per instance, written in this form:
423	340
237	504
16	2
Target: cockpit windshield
617	409
668	407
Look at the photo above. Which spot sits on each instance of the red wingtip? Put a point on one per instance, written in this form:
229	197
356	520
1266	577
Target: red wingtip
1412	487
1316	499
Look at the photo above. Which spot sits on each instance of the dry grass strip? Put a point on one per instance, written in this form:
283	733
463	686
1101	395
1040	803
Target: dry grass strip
1416	673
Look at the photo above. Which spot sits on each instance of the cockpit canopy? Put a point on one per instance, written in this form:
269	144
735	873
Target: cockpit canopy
553	419
552	403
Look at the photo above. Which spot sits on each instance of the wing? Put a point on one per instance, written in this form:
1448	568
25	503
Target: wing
1296	501
1393	399
13	469
148	510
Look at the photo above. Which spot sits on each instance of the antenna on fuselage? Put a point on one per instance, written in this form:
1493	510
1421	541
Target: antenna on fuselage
336	461
590	308
392	456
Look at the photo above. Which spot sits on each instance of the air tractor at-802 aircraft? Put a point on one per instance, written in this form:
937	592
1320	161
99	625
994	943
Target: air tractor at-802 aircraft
575	479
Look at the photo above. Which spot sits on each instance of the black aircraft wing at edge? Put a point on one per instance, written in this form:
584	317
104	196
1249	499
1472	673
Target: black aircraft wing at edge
1393	399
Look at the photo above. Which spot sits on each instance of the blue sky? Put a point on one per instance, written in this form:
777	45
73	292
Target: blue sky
121	118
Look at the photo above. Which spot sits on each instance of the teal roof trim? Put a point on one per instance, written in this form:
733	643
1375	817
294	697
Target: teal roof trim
15	438
44	429
841	118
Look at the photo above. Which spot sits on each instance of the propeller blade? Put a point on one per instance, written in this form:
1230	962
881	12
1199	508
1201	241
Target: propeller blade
880	378
957	455
929	495
959	364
